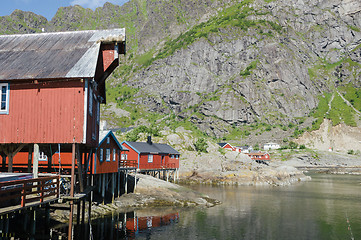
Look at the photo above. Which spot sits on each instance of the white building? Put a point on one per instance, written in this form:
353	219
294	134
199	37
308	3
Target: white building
271	146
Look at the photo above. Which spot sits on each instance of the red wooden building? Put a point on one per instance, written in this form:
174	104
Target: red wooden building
227	146
51	87
259	156
152	156
108	154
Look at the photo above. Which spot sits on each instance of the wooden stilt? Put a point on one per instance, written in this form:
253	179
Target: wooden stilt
80	169
126	182
30	158
83	212
99	178
36	161
103	186
113	186
118	183
78	213
135	179
3	157
70	227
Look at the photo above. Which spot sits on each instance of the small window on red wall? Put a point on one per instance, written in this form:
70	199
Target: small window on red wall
101	155
107	156
150	158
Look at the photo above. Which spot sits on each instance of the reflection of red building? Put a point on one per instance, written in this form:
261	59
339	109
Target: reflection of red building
136	224
151	156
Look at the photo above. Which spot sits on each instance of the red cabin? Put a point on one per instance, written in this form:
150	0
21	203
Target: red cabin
51	86
259	156
227	146
152	156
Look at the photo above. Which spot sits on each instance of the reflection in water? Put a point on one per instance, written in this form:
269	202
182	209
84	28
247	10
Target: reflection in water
328	207
127	226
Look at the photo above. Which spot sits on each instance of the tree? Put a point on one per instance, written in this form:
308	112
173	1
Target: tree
201	145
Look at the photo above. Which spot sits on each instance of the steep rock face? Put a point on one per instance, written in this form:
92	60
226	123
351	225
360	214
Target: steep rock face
209	75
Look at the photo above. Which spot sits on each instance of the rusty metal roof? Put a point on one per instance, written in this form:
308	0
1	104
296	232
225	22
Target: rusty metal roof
53	55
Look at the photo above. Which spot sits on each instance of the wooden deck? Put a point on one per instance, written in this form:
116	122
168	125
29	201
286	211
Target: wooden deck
22	194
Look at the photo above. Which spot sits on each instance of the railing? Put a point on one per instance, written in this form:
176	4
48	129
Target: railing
152	166
28	191
128	164
43	167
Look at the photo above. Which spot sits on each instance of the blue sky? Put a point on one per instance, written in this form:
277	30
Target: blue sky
48	8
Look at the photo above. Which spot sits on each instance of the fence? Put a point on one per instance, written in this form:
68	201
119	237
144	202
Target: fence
28	191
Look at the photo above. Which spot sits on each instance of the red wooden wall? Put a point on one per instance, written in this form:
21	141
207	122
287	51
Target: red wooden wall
107	166
158	162
46	112
132	155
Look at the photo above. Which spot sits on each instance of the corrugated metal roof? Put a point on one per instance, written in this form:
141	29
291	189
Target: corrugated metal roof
156	148
53	55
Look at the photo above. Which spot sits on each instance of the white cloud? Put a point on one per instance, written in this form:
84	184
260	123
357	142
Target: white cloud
95	3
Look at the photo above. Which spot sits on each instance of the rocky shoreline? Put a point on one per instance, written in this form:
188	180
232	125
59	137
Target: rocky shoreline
150	193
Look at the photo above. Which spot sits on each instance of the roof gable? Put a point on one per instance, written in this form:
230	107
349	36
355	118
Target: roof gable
59	55
103	135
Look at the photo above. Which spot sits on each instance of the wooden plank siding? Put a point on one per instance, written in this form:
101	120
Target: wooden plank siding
107	166
132	154
44	112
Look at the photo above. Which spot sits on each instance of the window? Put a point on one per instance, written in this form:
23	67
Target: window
43	157
172	156
98	112
108	140
107	156
4	98
150	158
101	155
90	101
114	154
124	156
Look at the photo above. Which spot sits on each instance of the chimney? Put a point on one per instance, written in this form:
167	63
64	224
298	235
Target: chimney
149	141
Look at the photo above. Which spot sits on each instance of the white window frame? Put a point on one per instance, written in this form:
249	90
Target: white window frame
107	155
114	154
124	156
43	157
101	155
7	93
150	158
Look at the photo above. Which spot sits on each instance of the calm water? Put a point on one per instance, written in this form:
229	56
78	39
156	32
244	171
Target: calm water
328	207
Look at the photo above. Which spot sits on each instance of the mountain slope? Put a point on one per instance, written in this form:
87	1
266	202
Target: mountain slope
255	62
